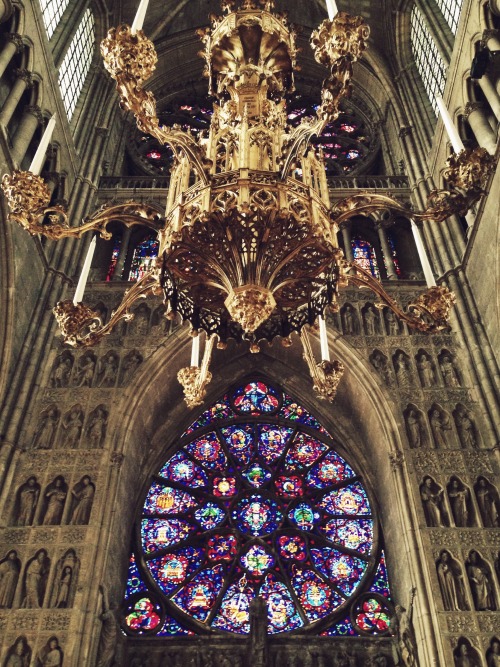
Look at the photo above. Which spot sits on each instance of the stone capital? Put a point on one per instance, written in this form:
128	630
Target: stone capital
17	40
35	110
24	75
471	107
405	131
489	33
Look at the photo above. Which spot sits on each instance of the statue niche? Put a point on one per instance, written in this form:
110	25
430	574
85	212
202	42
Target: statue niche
440	426
46	430
480	581
466	428
392	325
35	580
107	370
349	318
61	370
84	373
10	568
460	503
51	655
129	366
71	427
432	496
19	654
426	370
415	427
493	653
96	428
451	582
26	501
65	581
82	498
380	363
447	366
53	501
488	502
139	325
465	655
371	320
403	370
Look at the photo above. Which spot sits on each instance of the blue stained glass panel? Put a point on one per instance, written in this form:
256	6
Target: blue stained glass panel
234	613
272	441
256	398
240	441
316	597
144	616
256	475
172	628
351	499
303	452
292	547
207	450
281	610
295	412
350	533
381	580
170	570
135	584
181	469
331	470
220	410
257	560
159	534
198	596
344	570
209	516
289	486
257	515
341	629
304	516
165	500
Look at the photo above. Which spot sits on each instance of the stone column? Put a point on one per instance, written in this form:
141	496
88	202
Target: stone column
346	235
475	115
30	120
13	45
122	255
23	81
386	249
491	94
491	38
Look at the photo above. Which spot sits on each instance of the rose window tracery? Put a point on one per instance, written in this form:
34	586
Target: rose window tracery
257	502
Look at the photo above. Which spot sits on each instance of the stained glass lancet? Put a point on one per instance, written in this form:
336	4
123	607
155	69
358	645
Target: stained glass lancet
364	256
256	501
144	255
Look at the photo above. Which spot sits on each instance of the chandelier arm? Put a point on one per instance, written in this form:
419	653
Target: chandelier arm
82	327
28	198
224	285
326	375
428	314
194	379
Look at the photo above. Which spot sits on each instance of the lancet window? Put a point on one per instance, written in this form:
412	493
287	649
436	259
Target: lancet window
364	255
257	501
451	9
76	64
142	260
52	11
430	64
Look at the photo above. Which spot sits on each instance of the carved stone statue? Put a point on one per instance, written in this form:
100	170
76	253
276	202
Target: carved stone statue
440	424
72	428
480	583
35	580
392	323
85	372
110	634
371	320
487	500
348	324
432	500
108	370
493	655
403	370
51	655
425	370
130	364
451	583
96	429
61	371
466	430
27	499
10	567
258	632
404	634
415	429
55	497
465	657
64	583
379	362
139	325
46	431
19	654
448	371
83	497
459	501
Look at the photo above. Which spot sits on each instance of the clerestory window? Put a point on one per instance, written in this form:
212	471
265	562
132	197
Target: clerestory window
430	64
76	63
451	9
52	11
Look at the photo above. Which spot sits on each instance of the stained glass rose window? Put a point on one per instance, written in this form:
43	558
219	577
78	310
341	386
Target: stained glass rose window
256	501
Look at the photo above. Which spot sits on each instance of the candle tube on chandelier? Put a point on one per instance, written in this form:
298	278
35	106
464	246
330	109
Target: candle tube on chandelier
82	282
39	158
139	17
422	255
195	351
332	9
323	339
451	130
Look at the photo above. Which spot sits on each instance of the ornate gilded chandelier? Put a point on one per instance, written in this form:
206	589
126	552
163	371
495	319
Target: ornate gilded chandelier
248	244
